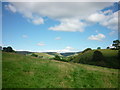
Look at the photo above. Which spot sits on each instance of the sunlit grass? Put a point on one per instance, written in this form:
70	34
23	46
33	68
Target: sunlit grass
21	71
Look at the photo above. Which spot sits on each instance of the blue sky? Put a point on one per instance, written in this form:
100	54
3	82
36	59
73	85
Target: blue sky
61	27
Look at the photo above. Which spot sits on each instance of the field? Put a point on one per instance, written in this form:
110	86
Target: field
44	55
19	71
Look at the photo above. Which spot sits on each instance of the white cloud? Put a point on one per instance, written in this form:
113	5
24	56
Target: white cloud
96	17
98	37
26	13
10	7
107	12
110	21
58	38
71	25
38	21
24	36
68	14
111	46
41	44
66	49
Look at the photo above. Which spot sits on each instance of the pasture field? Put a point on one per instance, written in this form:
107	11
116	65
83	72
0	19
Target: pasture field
19	71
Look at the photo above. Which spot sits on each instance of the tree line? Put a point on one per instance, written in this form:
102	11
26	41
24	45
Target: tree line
7	49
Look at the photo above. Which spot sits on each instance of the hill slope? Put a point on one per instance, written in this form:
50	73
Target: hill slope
110	58
21	71
45	55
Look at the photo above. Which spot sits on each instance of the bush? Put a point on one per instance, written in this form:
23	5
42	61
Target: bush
57	57
99	48
108	48
34	55
97	56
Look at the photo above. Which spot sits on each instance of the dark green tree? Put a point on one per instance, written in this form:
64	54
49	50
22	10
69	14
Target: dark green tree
34	55
108	47
57	57
8	49
98	47
4	49
116	44
0	47
97	56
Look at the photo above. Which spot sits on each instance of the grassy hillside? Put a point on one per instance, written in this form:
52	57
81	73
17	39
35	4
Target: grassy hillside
110	58
45	55
21	71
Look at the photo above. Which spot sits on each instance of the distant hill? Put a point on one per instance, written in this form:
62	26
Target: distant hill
69	53
24	52
50	53
54	53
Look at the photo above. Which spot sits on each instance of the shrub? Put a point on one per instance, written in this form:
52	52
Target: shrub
108	48
57	57
97	56
99	48
34	55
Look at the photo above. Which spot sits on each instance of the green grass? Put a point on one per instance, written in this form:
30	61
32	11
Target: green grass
110	58
21	71
0	69
45	55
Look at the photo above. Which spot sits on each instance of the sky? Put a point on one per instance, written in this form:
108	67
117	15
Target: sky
59	26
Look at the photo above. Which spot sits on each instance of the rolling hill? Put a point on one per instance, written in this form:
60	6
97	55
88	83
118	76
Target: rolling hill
20	71
110	58
44	55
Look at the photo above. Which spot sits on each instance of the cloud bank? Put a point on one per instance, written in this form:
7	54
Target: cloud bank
73	16
66	49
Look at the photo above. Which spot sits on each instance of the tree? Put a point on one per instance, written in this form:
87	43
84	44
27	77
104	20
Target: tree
87	49
34	55
4	49
108	47
116	44
0	47
8	49
99	48
57	57
97	56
